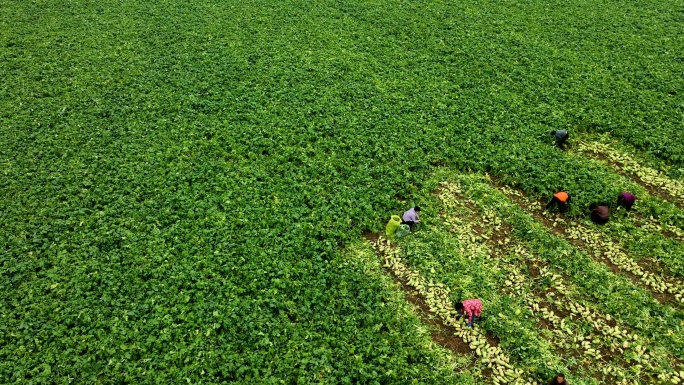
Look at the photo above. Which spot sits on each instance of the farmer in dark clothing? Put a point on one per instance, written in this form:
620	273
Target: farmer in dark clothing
561	137
599	213
626	199
558	379
561	199
411	217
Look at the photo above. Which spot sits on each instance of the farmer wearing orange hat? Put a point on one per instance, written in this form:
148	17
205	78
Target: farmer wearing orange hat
561	199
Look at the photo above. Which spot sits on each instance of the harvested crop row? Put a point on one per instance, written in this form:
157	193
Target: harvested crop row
652	242
515	283
614	294
640	218
602	247
607	338
441	334
568	334
467	242
651	225
438	298
656	213
625	164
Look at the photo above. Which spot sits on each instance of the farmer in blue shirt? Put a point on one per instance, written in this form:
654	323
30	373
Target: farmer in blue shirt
561	137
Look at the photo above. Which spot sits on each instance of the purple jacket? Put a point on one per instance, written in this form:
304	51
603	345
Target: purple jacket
410	216
626	199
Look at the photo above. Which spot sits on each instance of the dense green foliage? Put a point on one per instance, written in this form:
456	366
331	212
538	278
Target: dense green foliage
177	178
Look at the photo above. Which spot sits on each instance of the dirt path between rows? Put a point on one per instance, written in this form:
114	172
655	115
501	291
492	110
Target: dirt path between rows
559	229
442	334
498	247
652	190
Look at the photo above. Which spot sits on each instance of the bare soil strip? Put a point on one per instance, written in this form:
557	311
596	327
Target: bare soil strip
551	303
550	317
442	334
561	229
654	182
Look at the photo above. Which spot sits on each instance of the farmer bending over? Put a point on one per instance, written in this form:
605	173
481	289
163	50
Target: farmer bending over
558	379
561	137
626	199
599	213
472	309
411	217
560	199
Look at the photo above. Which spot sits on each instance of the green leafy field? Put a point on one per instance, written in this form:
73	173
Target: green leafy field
183	185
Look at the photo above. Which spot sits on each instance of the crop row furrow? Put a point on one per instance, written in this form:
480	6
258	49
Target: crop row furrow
627	349
437	297
603	248
624	163
516	284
